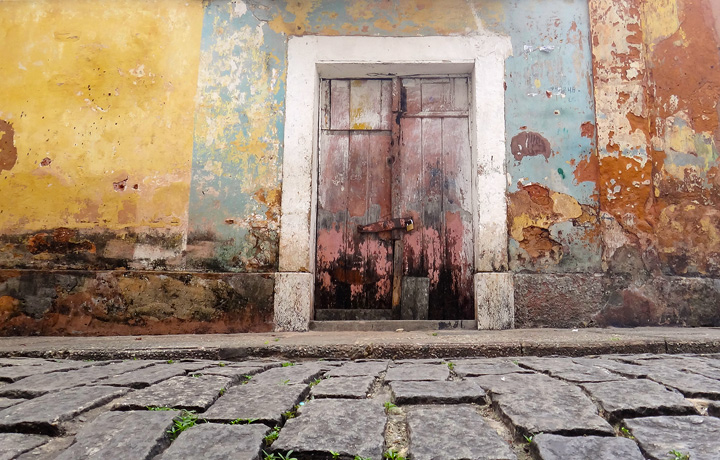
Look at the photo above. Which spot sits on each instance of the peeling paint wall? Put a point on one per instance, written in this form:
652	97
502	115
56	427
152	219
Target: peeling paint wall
96	103
146	136
657	73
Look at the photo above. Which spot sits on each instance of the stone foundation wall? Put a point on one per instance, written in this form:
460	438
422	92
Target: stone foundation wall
128	303
588	300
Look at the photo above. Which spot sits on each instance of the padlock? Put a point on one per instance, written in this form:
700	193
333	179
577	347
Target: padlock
410	225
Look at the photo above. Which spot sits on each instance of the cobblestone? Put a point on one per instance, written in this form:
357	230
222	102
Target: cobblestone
472	408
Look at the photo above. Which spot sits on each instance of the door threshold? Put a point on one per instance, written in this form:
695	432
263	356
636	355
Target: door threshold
392	325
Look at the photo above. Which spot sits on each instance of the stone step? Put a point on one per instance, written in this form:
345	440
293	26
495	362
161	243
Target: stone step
392	325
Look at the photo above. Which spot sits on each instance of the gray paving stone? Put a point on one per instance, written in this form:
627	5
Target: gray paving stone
535	403
190	393
145	377
191	365
15	373
635	398
36	385
691	385
132	435
7	402
554	447
235	373
290	375
14	444
45	414
567	369
265	403
453	433
212	441
352	369
417	372
343	387
693	434
23	361
437	392
620	368
476	367
348	426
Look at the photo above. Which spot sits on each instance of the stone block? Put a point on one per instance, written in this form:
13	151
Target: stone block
348	426
45	414
494	300
693	435
190	393
212	441
135	434
442	392
293	301
636	398
453	433
554	447
14	444
344	387
265	403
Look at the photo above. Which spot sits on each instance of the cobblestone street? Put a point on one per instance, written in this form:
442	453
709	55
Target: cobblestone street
603	407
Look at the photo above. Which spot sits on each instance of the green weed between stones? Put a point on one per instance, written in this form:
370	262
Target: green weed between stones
392	455
451	365
287	364
187	419
677	455
287	456
626	433
272	436
247	421
315	382
388	406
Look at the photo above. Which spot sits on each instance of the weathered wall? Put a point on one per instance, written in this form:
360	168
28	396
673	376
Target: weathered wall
147	135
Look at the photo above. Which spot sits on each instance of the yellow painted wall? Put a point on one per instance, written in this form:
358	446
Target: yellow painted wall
103	91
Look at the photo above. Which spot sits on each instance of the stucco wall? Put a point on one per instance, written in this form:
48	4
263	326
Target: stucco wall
147	135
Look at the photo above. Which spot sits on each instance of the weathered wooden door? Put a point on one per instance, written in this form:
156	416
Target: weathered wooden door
391	151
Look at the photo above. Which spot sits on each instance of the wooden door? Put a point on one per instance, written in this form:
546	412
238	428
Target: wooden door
435	189
393	149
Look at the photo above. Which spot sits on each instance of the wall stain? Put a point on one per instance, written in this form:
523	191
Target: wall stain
8	151
528	144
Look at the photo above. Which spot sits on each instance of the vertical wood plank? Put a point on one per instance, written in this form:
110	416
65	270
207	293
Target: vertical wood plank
457	210
411	193
332	226
324	104
378	247
357	215
340	104
386	105
433	222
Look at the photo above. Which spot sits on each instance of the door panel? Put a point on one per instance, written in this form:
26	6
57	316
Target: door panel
437	150
353	269
374	166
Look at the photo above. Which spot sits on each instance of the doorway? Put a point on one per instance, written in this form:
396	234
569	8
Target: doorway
394	231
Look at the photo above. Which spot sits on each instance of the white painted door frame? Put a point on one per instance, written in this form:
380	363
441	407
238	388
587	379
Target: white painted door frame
311	58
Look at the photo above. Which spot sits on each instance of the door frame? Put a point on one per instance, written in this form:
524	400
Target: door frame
311	58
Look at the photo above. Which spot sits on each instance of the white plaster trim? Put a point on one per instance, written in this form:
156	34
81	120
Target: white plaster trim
311	58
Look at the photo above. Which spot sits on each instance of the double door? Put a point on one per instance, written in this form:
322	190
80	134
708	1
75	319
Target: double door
394	222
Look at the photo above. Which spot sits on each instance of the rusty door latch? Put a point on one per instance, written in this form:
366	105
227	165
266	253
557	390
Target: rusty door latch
387	225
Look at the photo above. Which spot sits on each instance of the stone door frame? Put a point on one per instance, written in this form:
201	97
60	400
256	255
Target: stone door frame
311	58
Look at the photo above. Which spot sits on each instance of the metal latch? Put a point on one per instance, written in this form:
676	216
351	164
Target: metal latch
387	225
